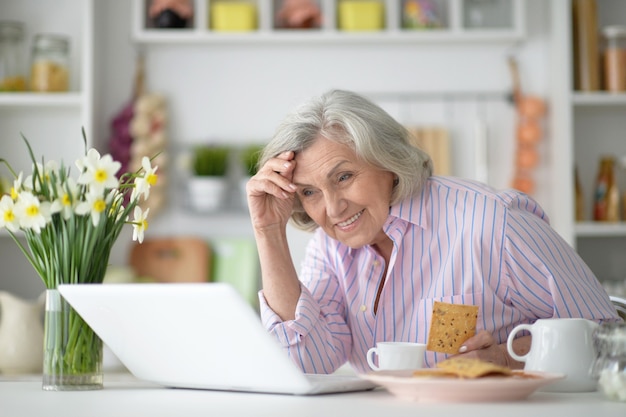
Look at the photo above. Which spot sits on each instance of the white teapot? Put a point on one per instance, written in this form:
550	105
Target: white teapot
21	334
560	346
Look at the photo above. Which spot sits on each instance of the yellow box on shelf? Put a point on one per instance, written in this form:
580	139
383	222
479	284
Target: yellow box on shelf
361	15
233	16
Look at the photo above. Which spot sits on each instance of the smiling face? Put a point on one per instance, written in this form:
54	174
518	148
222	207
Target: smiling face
348	198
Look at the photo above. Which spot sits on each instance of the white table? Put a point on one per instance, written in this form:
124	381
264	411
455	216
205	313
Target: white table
123	395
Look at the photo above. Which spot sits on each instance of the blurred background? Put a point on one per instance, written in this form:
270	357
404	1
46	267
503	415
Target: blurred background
190	78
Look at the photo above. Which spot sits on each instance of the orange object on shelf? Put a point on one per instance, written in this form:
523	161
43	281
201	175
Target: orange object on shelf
524	184
529	132
531	111
527	157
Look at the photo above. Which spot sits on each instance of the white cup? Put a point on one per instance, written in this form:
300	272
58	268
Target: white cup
396	355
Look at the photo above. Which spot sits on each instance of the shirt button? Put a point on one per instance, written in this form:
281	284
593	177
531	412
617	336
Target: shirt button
376	263
363	307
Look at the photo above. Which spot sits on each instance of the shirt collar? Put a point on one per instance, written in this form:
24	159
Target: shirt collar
412	209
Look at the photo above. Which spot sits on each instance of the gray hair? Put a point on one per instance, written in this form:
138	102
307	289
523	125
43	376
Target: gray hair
350	119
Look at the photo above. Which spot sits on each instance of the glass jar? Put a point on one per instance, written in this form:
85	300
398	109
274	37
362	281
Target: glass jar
12	67
49	71
615	58
609	367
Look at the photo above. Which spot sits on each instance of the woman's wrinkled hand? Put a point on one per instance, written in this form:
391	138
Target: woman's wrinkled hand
271	193
483	346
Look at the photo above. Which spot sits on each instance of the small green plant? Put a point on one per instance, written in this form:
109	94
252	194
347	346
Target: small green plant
250	158
210	160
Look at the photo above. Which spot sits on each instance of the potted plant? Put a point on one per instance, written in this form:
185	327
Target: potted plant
208	184
249	158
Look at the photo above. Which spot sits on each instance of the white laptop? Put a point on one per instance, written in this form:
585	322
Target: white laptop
195	335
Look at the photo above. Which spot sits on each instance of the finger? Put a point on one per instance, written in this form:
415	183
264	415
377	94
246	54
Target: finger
278	165
480	340
278	186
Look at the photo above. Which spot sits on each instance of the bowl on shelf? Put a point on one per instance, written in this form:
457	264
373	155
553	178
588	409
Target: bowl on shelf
361	15
233	16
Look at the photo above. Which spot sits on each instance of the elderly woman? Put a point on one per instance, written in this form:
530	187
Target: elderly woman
389	239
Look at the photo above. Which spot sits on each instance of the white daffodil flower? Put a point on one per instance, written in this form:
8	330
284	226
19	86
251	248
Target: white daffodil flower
8	219
143	183
98	173
45	174
95	204
17	186
31	213
67	198
140	224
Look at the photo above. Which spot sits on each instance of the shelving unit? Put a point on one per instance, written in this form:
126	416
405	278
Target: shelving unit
587	126
52	122
453	15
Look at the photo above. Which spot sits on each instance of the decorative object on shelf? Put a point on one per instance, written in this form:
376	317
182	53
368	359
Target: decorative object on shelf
49	71
170	14
148	129
12	66
171	259
233	16
530	112
586	45
606	197
298	14
209	182
420	14
615	58
70	225
361	15
139	130
21	335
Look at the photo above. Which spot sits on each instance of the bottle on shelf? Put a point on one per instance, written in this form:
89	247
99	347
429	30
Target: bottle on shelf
586	45
12	67
606	203
615	58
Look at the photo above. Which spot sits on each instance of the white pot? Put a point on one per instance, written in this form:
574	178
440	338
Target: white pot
207	193
242	191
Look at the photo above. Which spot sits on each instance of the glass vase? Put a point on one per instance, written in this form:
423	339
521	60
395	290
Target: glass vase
72	351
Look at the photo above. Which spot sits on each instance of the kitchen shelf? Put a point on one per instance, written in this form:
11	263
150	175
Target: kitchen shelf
41	100
600	229
453	30
156	36
599	99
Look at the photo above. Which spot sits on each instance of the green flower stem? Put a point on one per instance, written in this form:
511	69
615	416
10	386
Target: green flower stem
72	348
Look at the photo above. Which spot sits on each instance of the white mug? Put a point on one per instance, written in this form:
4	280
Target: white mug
560	346
396	355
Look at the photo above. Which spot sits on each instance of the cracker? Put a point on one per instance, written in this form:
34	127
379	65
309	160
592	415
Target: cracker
473	368
451	325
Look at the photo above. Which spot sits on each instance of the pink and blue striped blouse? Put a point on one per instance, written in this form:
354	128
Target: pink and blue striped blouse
458	241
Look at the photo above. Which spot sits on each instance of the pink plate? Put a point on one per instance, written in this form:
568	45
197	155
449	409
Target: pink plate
432	389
